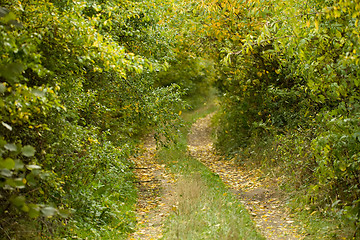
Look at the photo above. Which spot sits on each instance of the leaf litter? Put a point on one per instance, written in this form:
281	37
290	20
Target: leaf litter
155	189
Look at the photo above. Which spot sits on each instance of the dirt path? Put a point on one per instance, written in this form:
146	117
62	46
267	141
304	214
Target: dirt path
260	197
155	188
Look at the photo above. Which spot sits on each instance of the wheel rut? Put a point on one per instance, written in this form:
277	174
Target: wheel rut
155	191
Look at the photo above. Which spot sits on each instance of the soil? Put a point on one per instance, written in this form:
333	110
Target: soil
155	193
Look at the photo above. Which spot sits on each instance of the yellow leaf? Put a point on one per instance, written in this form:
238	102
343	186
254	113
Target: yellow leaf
317	24
337	14
342	167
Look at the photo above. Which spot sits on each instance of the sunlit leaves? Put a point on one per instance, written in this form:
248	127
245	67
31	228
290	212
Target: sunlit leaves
298	58
49	211
76	76
7	163
11	147
28	151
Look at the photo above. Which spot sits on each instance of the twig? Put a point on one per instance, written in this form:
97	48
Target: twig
6	233
154	180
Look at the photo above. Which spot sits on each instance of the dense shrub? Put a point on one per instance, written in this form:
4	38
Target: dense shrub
290	83
74	101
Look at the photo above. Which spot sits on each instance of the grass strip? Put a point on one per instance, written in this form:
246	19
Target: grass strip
203	206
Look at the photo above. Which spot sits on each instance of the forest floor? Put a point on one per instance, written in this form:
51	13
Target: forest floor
157	189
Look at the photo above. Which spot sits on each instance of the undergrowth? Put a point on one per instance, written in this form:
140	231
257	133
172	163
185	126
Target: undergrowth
289	159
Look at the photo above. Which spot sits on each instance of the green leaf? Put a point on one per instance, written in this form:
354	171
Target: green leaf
2	88
10	182
18	201
7	163
6	125
18	164
34	211
342	167
25	208
6	173
48	211
19	183
11	71
9	17
11	147
33	167
30	178
38	93
28	151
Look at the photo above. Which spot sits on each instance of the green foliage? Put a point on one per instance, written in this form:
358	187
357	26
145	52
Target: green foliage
336	151
194	75
23	110
81	81
77	90
290	81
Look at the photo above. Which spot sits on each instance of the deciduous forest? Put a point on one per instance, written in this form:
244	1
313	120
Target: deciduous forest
82	82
